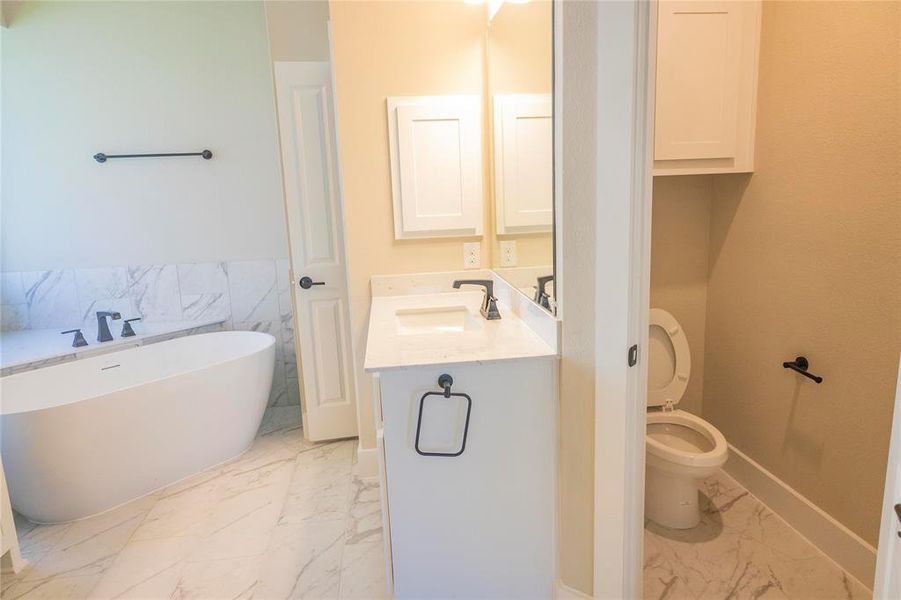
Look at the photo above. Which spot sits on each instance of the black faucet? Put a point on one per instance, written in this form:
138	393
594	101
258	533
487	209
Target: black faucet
542	298
489	304
103	332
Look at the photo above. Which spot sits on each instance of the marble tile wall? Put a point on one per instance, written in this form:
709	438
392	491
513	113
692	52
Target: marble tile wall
252	295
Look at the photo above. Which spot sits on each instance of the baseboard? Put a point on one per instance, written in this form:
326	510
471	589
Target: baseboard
564	592
846	548
367	462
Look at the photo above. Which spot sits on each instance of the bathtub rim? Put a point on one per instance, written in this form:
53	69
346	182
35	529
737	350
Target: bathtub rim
48	370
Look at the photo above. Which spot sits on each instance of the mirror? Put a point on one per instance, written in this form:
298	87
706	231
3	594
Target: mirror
520	122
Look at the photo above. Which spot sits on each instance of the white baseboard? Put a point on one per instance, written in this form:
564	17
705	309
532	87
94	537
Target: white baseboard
846	548
367	462
564	592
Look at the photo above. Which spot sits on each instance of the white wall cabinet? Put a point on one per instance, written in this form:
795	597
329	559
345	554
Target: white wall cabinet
707	55
523	163
435	144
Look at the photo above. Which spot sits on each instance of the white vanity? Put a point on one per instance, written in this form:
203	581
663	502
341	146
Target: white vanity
479	520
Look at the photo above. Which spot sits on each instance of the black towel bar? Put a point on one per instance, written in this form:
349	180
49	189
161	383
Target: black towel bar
102	158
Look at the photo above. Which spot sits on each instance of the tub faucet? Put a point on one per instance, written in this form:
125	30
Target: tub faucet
489	304
103	332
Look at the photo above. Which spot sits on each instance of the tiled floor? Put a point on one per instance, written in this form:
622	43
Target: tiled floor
286	520
740	550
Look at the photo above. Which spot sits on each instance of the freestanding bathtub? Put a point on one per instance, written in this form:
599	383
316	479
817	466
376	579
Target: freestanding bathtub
85	436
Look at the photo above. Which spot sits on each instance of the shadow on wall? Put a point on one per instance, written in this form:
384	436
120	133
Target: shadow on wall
802	444
728	192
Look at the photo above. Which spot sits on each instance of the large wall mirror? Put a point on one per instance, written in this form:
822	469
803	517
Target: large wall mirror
520	116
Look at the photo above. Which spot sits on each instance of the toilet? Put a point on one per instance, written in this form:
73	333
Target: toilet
681	447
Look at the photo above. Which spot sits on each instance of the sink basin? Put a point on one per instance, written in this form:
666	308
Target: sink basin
438	319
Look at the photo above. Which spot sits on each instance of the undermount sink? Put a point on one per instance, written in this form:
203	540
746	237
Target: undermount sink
438	319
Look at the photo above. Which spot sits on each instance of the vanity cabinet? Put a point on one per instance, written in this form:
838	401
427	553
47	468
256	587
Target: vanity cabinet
481	524
706	86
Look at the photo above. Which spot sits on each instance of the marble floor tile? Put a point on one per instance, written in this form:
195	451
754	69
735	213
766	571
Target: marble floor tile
234	578
364	517
740	550
90	546
363	575
145	569
55	588
303	561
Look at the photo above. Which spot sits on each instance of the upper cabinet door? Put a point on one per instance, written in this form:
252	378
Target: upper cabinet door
706	85
436	166
523	162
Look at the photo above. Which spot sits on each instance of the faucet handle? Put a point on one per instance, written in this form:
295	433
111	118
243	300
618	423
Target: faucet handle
127	330
79	340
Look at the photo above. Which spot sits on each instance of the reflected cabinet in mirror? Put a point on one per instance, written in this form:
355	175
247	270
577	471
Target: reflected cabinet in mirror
520	86
470	137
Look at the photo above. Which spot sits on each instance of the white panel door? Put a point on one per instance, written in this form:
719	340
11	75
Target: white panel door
436	166
523	162
316	239
698	73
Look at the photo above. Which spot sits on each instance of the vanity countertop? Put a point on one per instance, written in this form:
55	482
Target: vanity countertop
20	348
445	328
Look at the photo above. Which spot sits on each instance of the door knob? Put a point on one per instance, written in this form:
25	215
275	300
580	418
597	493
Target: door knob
306	283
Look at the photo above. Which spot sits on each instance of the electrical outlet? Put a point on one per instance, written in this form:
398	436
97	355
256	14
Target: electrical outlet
508	253
472	255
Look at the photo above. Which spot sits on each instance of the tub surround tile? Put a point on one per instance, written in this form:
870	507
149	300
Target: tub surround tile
51	297
11	289
253	289
13	317
102	282
255	295
155	292
202	307
203	278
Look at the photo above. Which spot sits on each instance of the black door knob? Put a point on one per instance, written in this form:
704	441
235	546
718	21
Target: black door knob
306	283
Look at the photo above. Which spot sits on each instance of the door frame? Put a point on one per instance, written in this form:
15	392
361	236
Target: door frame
887	583
625	141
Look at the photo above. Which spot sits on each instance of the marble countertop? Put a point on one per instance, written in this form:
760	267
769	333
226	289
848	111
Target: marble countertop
34	345
390	347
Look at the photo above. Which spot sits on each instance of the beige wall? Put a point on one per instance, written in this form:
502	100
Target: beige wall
386	49
519	61
805	259
298	30
577	384
680	229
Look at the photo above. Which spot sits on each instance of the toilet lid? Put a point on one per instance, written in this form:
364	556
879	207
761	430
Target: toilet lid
669	359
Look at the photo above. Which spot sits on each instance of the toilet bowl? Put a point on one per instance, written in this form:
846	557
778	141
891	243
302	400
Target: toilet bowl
681	447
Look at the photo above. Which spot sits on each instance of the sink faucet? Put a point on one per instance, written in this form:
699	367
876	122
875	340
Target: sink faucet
542	298
103	332
489	304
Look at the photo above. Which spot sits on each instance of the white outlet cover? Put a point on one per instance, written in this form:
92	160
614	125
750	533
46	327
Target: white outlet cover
472	255
508	253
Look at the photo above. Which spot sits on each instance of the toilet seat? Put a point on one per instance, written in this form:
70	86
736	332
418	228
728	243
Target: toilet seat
672	388
715	457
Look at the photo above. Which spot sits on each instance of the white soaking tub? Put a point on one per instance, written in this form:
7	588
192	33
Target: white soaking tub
85	436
